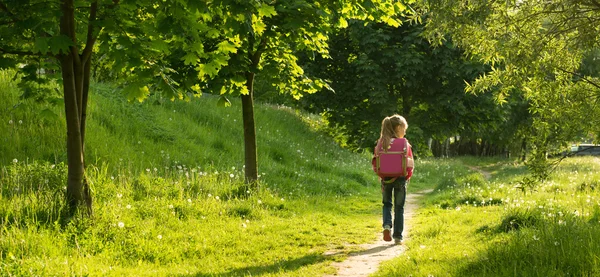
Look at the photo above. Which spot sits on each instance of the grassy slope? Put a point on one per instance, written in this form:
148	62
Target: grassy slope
169	197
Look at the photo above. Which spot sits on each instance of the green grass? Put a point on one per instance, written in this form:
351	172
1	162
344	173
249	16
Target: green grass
169	197
474	227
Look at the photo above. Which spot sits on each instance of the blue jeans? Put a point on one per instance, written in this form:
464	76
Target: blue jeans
398	190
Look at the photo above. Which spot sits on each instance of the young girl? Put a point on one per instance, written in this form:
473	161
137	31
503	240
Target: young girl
393	129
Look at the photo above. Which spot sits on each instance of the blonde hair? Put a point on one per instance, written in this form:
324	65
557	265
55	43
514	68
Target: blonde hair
389	125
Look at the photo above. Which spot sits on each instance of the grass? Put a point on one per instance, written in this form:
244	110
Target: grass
475	227
169	197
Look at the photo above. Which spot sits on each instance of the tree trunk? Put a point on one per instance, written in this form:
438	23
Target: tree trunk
73	75
250	153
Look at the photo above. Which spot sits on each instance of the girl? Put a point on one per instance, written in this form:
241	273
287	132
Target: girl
393	129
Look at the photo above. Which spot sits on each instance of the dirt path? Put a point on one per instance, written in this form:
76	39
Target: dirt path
486	174
366	262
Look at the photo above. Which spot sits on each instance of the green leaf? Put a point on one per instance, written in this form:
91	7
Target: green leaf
227	47
135	92
60	44
266	11
190	58
48	114
342	23
223	102
238	80
41	45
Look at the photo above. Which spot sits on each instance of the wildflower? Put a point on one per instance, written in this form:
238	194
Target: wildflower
217	197
20	121
244	225
159	237
189	200
259	201
147	169
121	224
535	237
15	161
10	122
556	243
231	175
209	195
170	206
119	195
282	199
128	206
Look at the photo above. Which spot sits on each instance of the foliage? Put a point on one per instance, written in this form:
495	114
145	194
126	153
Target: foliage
542	51
377	70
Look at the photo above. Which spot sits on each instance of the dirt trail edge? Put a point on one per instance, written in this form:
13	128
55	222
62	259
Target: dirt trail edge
367	261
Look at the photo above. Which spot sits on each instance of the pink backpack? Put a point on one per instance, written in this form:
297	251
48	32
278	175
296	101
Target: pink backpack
393	162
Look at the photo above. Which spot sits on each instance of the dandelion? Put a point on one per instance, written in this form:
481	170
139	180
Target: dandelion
422	246
121	224
282	199
556	243
119	195
535	237
128	206
217	197
259	201
247	221
159	237
231	175
209	195
189	200
233	168
10	122
15	161
147	169
155	169
244	225
170	206
20	121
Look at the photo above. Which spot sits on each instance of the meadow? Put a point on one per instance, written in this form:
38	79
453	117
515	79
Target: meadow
169	199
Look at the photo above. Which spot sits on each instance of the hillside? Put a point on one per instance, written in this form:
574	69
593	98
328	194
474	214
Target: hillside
168	190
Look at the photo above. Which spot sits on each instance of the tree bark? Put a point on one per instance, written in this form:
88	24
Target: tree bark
250	152
73	75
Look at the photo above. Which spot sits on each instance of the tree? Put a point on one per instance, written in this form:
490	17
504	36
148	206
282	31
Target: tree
37	34
538	49
266	37
377	70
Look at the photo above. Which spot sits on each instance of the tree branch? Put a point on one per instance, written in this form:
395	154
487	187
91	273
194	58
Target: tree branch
19	52
595	3
581	76
91	38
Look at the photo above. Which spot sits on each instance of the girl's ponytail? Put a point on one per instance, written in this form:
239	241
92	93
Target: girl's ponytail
388	130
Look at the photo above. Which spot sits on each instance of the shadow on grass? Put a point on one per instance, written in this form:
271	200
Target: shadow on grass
279	267
543	250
